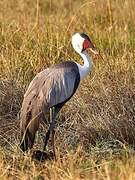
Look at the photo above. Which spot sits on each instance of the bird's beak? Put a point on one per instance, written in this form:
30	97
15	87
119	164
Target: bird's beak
95	52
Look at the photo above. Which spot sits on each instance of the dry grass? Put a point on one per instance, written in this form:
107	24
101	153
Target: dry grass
96	130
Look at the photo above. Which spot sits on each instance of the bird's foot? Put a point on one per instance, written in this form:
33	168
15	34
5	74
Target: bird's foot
43	155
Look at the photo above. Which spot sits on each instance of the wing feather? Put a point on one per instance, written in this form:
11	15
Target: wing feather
52	86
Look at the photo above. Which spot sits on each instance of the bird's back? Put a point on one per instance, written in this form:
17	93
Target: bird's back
50	87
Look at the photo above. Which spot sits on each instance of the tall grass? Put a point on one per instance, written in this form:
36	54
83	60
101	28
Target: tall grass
101	117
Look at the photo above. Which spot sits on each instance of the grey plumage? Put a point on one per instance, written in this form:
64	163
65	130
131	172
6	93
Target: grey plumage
50	88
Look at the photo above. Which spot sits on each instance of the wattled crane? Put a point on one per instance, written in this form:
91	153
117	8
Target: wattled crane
51	89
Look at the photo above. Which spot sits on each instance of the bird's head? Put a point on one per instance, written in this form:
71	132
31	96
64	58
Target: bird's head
81	42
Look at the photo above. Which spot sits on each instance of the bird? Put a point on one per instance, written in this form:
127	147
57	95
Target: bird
51	89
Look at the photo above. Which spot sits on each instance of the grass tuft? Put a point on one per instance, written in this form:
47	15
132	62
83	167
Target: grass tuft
95	135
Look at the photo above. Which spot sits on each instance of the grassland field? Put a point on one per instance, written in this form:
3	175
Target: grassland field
95	134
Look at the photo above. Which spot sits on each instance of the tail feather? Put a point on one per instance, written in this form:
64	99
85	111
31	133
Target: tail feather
33	109
27	140
29	127
24	144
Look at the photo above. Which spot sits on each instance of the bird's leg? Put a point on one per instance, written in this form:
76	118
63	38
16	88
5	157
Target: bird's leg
51	127
53	145
46	139
52	119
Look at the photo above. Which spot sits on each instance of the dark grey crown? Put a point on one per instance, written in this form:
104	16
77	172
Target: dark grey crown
84	36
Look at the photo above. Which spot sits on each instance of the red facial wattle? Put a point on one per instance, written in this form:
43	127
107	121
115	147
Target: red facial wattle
86	44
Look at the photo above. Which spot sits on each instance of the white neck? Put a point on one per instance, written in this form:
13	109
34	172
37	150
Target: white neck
86	67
